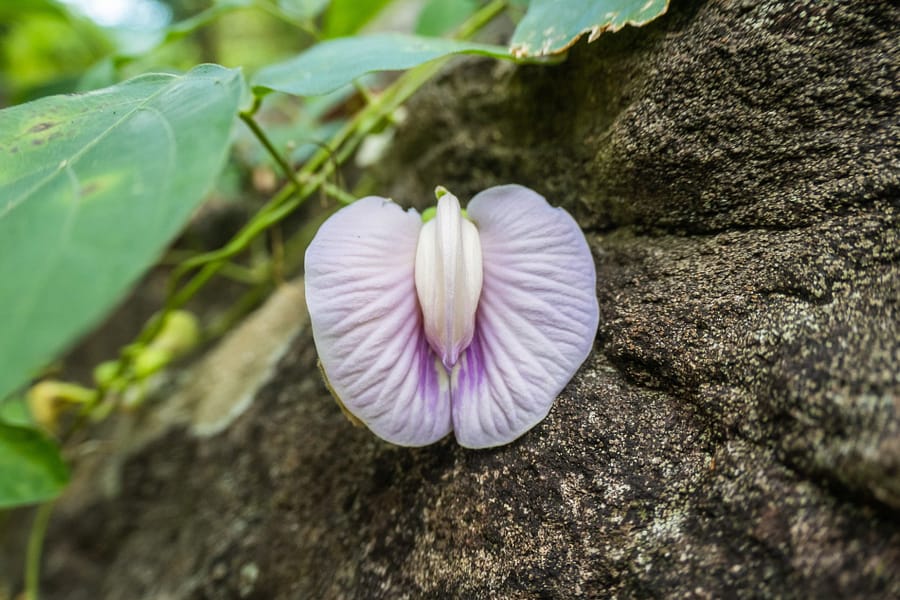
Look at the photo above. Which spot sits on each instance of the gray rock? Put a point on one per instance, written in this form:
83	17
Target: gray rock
736	431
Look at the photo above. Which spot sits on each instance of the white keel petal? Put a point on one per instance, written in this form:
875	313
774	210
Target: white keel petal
448	279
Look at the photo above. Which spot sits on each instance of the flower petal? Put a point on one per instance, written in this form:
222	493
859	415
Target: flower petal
360	290
536	319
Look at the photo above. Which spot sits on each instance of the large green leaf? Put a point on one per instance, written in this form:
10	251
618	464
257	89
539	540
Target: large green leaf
551	26
331	64
14	411
31	469
92	187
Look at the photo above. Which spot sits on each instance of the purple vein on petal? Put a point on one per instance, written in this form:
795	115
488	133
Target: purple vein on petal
536	318
367	323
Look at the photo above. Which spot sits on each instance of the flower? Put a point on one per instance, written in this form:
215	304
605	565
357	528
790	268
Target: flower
470	323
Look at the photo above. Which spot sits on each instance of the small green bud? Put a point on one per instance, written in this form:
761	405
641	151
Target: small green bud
46	400
180	333
151	360
105	373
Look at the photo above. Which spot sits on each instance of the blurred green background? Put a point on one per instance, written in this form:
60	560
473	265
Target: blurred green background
59	46
49	46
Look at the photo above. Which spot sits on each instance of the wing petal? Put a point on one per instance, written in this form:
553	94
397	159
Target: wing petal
536	320
367	325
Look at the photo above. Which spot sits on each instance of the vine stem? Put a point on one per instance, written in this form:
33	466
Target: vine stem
250	122
293	177
312	176
481	18
314	173
35	548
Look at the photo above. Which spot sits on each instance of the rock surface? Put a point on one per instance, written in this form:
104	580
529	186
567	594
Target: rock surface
736	432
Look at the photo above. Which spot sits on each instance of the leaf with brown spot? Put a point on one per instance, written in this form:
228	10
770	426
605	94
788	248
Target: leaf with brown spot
90	198
553	26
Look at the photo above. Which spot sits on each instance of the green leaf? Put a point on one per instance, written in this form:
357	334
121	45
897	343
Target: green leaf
440	16
31	468
298	130
346	17
327	66
302	9
552	26
92	187
14	411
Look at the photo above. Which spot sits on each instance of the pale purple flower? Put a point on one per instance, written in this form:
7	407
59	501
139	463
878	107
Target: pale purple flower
471	324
